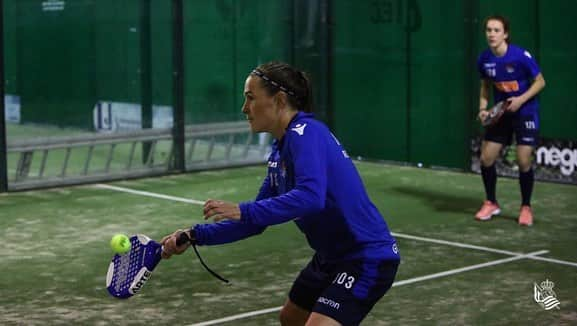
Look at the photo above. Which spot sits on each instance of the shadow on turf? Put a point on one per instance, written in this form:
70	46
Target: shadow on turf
443	202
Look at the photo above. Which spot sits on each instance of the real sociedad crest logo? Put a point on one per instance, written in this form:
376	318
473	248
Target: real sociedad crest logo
545	296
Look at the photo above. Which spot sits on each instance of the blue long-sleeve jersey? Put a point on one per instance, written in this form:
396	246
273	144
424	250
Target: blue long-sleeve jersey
312	181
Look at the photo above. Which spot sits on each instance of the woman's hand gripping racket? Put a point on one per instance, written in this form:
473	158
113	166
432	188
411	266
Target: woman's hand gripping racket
494	113
127	273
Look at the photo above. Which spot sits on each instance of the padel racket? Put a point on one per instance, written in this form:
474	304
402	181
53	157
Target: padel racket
495	113
127	273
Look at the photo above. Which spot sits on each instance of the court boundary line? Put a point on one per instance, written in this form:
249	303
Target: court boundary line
481	248
396	234
149	194
399	283
514	256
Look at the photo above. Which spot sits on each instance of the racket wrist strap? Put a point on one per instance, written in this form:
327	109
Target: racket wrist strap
192	240
206	267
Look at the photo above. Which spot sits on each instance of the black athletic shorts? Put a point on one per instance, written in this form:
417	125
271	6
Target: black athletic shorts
525	128
345	291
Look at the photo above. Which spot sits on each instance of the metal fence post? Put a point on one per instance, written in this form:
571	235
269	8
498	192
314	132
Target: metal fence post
145	73
3	151
178	84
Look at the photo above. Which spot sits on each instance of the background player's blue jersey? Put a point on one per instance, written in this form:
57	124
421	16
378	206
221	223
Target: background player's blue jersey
511	75
312	181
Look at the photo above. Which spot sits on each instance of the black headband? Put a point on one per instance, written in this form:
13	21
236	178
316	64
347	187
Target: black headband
274	83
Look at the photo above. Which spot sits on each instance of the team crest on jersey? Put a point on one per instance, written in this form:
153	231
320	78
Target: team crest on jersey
510	69
299	129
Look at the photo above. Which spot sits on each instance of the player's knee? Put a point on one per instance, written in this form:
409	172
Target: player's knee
284	317
288	317
524	164
487	160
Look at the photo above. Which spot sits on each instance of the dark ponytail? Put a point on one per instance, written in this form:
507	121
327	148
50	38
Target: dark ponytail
279	76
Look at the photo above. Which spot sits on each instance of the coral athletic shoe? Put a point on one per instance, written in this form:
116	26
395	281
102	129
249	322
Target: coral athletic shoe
487	211
526	216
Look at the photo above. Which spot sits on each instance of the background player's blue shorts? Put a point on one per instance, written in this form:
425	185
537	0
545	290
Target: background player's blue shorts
525	128
345	291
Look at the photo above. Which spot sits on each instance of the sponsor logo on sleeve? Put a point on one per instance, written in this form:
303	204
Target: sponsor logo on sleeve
299	129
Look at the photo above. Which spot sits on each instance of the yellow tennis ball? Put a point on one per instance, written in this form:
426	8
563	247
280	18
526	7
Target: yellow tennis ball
120	244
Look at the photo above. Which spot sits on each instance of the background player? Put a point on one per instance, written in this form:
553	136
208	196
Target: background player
514	76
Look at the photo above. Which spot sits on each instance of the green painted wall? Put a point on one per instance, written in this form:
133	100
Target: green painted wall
558	58
438	113
370	78
62	62
399	81
405	82
224	41
55	63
